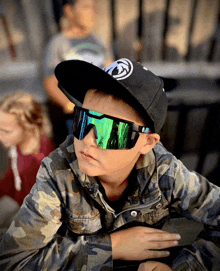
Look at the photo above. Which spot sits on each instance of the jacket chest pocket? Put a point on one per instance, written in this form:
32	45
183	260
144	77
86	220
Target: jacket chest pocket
156	212
152	216
84	224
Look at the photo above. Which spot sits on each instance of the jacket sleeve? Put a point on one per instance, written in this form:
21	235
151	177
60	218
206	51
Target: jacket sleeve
197	199
32	241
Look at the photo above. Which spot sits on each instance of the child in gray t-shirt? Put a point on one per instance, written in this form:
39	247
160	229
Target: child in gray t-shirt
75	41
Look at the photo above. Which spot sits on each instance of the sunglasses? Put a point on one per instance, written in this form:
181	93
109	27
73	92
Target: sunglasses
110	132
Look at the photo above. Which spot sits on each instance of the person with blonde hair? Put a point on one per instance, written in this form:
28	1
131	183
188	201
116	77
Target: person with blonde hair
25	131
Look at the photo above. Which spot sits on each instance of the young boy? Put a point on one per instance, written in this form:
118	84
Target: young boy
75	41
106	192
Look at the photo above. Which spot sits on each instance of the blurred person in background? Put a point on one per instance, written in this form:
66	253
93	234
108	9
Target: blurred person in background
25	131
75	41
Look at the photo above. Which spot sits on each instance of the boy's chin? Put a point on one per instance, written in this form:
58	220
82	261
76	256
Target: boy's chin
88	171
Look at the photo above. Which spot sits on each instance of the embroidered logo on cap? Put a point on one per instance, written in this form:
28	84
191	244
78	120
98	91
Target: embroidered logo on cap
120	69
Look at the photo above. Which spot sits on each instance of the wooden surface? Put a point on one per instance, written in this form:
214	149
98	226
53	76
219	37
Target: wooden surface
126	20
153	28
103	23
161	30
177	38
205	24
142	30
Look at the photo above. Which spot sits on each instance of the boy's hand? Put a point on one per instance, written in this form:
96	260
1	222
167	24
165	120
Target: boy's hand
69	108
140	243
153	266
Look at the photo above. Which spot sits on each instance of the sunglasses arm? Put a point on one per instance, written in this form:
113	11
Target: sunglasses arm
141	129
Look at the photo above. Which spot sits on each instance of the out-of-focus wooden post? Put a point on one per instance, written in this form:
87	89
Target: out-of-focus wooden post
10	41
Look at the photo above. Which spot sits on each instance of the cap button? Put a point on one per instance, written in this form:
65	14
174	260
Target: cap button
133	213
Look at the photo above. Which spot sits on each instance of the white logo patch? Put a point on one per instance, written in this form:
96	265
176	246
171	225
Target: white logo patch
120	69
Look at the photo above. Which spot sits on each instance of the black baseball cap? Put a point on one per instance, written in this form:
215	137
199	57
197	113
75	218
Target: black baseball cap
125	79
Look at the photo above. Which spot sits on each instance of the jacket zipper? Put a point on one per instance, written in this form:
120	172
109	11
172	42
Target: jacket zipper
138	207
128	209
106	207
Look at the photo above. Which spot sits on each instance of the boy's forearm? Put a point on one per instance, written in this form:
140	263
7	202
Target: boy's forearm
89	252
37	246
194	196
56	95
115	252
198	199
32	240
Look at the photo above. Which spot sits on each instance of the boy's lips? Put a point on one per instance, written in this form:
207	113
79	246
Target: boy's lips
87	156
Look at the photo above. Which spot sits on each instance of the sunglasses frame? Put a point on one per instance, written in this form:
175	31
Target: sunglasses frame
134	127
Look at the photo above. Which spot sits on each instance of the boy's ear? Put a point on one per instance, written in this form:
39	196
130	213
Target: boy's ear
150	141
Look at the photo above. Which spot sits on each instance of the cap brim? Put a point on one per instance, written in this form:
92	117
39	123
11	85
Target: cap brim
76	77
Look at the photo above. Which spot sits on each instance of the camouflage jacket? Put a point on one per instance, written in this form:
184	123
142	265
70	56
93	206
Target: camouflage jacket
65	222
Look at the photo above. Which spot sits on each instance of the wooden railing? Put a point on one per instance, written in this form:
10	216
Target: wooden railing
11	45
161	30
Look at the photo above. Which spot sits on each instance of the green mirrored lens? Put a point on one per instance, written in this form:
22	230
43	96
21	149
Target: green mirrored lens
123	132
111	134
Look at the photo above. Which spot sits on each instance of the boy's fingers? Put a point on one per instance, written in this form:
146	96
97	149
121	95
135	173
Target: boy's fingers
162	244
163	233
154	236
148	230
151	254
169	236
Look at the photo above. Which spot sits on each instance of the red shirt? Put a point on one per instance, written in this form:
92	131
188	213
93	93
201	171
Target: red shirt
28	166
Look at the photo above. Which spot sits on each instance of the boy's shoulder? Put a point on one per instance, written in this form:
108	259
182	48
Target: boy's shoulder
158	158
162	154
165	161
168	164
160	149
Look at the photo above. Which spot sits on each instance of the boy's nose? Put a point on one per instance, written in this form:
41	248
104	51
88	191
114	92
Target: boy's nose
90	138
